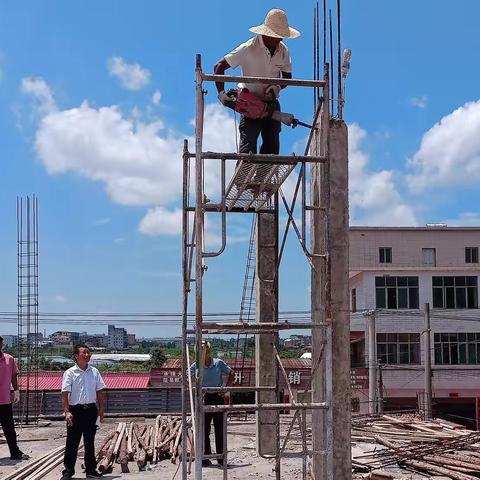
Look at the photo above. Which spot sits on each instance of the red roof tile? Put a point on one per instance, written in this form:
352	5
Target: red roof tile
113	380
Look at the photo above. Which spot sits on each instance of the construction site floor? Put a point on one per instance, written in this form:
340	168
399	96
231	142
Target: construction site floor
243	462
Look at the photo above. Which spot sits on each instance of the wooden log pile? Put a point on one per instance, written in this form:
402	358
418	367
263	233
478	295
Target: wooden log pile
143	444
434	447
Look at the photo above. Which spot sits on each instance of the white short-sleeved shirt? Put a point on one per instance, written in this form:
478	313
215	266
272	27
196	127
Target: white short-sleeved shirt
82	384
256	61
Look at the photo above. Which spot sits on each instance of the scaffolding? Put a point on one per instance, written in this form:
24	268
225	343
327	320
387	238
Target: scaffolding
256	188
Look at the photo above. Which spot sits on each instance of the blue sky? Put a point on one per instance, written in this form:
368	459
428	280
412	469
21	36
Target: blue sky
96	97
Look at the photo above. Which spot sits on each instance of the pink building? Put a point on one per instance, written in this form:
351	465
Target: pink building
394	271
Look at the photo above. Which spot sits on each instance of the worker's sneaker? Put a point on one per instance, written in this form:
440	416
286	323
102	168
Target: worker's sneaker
19	456
94	475
206	463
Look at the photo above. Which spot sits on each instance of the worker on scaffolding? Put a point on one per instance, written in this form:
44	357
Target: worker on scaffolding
214	370
264	55
9	379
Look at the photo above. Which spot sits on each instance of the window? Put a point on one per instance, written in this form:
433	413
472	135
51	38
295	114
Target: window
398	348
396	292
457	348
429	256
455	292
385	254
471	254
355	404
354	299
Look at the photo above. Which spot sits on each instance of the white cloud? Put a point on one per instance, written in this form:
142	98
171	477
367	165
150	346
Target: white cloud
138	163
161	221
466	219
102	221
449	153
38	89
60	299
419	102
374	196
119	240
156	97
131	76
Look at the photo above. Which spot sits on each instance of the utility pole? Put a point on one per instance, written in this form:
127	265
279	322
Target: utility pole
380	389
372	364
428	363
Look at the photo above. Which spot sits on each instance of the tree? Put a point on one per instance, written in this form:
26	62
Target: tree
157	357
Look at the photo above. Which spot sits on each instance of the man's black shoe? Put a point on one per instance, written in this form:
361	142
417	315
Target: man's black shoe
94	475
20	456
206	463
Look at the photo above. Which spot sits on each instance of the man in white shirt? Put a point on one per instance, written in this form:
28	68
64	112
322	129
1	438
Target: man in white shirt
82	389
265	55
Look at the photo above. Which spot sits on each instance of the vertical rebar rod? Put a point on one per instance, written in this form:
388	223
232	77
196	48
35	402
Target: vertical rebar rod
315	57
317	73
28	302
324	32
331	59
19	290
199	211
185	288
339	63
35	312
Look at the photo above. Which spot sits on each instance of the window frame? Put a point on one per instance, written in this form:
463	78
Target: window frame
456	348
458	292
471	255
397	292
429	249
385	255
391	347
353	300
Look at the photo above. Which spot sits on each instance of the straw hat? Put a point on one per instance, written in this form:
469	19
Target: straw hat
276	25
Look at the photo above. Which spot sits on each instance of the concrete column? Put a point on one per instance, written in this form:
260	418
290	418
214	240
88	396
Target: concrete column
266	367
339	291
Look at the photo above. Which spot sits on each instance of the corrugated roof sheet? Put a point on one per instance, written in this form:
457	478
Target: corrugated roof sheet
288	363
113	380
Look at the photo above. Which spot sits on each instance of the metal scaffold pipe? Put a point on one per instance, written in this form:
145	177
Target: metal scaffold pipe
199	101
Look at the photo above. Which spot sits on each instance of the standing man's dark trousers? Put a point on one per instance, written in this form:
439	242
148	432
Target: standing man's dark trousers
251	129
8	427
213	399
84	423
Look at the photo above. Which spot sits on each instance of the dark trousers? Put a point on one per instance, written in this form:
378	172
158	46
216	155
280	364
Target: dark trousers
269	129
84	423
213	399
8	427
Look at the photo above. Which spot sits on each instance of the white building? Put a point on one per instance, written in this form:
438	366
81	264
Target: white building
117	337
10	341
395	271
